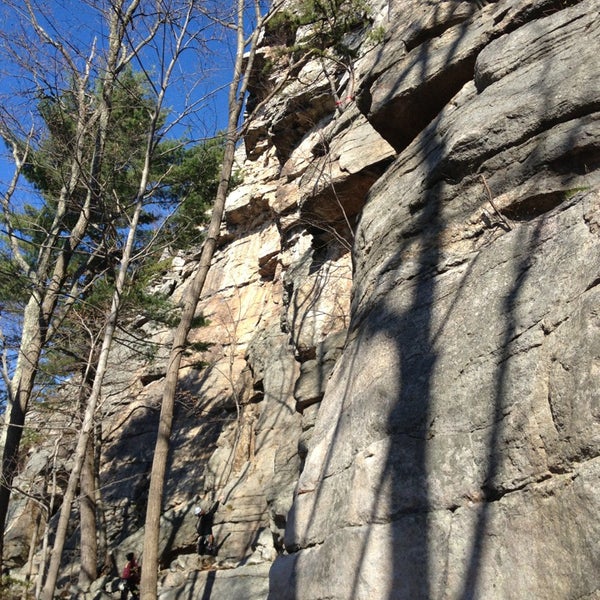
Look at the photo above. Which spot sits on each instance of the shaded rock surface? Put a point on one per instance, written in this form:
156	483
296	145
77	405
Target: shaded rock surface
399	399
452	416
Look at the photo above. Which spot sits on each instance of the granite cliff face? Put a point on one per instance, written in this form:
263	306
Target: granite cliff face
400	399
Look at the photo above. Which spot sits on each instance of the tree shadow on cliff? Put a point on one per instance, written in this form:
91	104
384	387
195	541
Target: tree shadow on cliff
198	590
210	582
491	487
409	460
560	136
401	495
403	498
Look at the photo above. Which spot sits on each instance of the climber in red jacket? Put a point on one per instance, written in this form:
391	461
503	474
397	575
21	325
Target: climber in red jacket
131	578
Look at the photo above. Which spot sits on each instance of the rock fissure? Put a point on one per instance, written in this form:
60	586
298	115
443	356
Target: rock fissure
459	161
420	33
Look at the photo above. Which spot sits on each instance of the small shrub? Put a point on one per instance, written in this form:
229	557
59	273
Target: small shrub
12	589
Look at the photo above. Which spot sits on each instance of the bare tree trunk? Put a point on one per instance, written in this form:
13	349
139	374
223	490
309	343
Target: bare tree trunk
88	530
32	546
102	542
88	535
49	510
48	280
237	92
88	420
21	393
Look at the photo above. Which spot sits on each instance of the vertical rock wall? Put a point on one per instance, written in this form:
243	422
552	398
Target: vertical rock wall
455	454
399	400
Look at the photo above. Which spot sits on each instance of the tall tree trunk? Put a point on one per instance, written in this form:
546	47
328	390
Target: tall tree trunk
48	283
102	543
109	332
88	535
88	529
21	389
81	450
49	511
56	253
237	93
32	548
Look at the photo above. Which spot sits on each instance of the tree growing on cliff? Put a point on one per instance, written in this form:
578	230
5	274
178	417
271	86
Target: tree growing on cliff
329	34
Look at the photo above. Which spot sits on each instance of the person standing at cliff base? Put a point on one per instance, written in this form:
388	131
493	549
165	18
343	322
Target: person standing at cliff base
130	578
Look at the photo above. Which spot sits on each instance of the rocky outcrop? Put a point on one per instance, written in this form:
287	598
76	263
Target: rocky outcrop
455	454
398	399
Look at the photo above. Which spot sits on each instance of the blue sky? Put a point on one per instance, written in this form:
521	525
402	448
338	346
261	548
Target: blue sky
74	21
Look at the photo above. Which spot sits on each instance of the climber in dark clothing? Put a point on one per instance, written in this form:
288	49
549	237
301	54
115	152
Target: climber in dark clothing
131	578
204	528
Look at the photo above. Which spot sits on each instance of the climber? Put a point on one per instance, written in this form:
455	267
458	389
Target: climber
130	578
204	526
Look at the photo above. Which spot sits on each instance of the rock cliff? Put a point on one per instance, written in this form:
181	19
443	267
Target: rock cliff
400	398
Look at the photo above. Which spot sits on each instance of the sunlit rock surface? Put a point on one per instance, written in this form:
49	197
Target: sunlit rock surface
398	393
